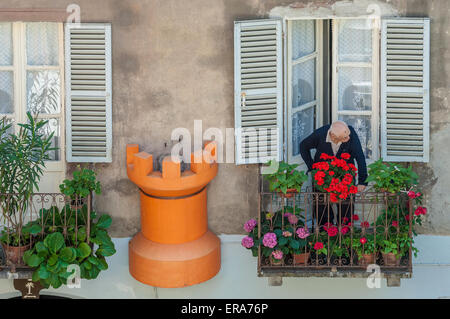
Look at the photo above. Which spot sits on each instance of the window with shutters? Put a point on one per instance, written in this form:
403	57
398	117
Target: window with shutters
371	73
32	77
341	82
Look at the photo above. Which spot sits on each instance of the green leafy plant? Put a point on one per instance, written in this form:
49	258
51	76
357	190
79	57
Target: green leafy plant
390	177
286	177
61	248
83	183
22	160
364	245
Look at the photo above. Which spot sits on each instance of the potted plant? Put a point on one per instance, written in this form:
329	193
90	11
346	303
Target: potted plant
390	177
70	244
389	250
300	249
83	183
365	249
335	176
286	180
22	160
277	234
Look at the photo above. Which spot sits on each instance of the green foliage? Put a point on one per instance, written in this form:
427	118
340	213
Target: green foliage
64	246
366	248
285	177
390	177
22	160
83	182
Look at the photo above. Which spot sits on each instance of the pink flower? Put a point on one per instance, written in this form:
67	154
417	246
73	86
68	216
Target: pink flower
302	232
293	219
395	223
270	240
277	254
250	225
420	211
247	242
355	217
411	194
326	226
365	224
344	230
287	233
363	240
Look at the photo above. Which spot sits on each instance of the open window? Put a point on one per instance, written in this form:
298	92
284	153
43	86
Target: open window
333	69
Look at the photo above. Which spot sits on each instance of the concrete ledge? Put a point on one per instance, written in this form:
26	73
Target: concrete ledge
330	273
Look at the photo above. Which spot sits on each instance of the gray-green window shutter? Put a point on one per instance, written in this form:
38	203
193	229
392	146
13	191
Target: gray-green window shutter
88	92
405	84
258	65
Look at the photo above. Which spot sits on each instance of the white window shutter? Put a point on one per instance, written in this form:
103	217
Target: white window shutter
405	82
258	65
88	92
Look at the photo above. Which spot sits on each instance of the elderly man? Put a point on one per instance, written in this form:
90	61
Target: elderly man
334	140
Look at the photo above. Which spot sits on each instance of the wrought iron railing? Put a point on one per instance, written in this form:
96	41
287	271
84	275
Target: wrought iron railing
315	234
24	222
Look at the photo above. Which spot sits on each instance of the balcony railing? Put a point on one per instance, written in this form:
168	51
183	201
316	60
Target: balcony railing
23	223
344	238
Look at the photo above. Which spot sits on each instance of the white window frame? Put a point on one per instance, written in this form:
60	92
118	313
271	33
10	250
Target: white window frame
20	69
374	65
318	102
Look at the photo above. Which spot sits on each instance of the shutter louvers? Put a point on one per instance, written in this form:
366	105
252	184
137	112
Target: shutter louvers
405	45
88	92
258	91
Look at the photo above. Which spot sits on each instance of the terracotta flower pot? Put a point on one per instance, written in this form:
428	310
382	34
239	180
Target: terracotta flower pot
77	203
366	259
301	259
276	262
15	254
390	259
290	192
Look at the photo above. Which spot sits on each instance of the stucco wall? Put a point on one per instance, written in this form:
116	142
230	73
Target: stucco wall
173	63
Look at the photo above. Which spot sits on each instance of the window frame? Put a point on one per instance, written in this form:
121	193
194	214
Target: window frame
374	64
374	113
19	69
318	102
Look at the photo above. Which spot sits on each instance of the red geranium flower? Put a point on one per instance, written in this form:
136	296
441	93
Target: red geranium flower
331	173
395	223
332	231
345	155
355	217
407	217
318	246
363	240
411	194
353	189
365	224
420	211
345	230
333	198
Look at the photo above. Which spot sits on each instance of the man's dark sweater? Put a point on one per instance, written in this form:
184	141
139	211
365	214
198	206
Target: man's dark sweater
317	140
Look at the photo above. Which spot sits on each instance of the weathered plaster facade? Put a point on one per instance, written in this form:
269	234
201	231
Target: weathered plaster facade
173	63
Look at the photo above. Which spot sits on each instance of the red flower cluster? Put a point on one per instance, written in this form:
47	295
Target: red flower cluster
335	177
413	195
318	246
420	211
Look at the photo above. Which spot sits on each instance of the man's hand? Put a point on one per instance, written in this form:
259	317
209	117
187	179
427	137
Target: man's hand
361	188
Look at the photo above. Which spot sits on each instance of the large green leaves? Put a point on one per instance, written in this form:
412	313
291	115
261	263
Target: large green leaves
54	242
